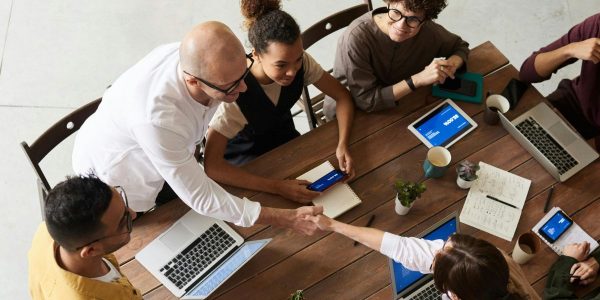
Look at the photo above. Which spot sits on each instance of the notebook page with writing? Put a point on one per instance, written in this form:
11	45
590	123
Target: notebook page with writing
573	235
490	215
338	199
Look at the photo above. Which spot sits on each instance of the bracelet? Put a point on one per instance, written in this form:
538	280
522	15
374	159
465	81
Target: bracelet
410	84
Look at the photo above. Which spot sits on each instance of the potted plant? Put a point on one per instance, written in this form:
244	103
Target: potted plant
298	295
467	173
406	194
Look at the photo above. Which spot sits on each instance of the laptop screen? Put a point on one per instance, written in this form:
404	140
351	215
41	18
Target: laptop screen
240	257
404	277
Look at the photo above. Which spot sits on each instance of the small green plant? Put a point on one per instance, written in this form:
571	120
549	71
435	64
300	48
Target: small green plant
467	170
408	192
298	295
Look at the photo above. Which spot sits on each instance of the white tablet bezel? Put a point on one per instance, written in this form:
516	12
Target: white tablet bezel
454	139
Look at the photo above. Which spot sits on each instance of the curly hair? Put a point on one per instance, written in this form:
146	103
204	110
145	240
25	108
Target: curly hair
431	8
267	23
74	209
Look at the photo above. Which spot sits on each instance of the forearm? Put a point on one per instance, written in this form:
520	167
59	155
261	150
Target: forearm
548	62
369	237
402	89
345	115
223	172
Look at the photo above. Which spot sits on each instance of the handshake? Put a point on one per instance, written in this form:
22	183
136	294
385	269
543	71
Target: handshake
307	220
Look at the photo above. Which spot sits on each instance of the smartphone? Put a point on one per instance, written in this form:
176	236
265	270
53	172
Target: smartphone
555	227
459	86
327	181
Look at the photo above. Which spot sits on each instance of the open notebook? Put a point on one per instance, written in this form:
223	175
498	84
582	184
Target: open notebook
338	199
499	217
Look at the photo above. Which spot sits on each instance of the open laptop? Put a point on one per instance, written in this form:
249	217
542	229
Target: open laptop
559	149
413	285
196	255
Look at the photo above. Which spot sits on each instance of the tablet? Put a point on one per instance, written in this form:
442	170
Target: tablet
443	125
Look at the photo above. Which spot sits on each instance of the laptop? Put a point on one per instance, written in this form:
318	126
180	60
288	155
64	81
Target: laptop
413	285
559	149
196	255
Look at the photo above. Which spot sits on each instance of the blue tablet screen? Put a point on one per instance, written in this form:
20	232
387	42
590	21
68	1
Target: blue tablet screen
442	125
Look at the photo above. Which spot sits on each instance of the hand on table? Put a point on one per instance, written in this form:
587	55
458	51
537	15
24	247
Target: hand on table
586	50
296	190
587	271
345	161
578	251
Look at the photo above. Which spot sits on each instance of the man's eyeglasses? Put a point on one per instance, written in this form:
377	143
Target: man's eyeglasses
411	21
233	86
126	218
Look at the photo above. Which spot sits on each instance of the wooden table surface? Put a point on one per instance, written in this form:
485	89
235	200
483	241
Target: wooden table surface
328	266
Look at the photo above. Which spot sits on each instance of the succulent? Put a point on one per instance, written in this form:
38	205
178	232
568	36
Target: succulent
467	170
298	295
408	192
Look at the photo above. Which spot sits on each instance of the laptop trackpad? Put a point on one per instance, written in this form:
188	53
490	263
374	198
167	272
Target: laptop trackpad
176	237
562	134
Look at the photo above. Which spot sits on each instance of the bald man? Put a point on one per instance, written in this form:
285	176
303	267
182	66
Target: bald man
145	131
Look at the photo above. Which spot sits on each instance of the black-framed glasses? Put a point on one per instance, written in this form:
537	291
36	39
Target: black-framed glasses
125	219
411	21
233	86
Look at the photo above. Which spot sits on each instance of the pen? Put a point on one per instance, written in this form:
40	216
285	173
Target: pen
496	199
548	199
368	224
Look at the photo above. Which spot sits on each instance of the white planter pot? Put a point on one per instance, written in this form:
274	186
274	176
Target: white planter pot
463	184
401	209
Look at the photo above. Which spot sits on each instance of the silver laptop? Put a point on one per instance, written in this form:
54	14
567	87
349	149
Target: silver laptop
196	255
407	284
559	149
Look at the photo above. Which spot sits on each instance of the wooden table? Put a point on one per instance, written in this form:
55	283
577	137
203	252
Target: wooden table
328	266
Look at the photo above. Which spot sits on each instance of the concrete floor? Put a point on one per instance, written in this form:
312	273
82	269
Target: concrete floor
59	55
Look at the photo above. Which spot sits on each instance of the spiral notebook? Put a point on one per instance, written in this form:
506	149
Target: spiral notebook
574	234
338	199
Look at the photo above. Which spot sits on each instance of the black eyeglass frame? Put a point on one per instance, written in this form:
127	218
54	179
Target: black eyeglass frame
126	215
407	18
234	85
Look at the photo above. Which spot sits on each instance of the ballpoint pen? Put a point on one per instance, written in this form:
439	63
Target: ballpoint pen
498	200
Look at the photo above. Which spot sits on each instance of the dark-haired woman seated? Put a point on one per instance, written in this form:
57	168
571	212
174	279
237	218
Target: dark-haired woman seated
463	268
260	119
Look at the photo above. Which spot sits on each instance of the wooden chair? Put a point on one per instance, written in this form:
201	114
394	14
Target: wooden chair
52	138
314	106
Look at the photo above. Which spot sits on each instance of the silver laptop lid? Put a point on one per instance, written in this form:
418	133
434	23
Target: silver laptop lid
164	250
404	281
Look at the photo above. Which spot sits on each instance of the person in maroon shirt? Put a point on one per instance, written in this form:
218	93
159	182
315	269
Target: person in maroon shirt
577	99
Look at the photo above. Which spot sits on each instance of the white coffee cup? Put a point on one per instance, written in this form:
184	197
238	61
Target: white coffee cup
526	247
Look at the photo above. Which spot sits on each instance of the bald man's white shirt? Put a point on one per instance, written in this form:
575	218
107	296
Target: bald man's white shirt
145	132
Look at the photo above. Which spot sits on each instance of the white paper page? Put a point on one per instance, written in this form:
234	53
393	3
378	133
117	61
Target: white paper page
336	200
489	215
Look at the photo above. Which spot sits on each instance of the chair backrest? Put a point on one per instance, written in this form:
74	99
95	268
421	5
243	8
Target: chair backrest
314	106
52	138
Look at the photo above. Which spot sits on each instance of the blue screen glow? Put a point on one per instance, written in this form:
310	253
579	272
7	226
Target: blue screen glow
442	125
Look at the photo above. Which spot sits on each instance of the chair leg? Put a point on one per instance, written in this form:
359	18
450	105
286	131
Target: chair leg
312	119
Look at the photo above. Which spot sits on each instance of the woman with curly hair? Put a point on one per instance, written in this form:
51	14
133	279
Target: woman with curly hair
463	267
390	52
260	119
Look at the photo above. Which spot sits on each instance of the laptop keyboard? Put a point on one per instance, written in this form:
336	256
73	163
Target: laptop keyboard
429	293
197	256
553	151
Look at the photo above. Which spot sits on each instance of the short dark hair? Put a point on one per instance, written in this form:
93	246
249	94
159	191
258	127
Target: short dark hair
473	269
267	23
74	208
431	8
